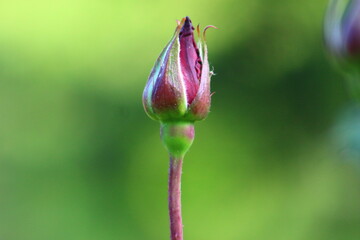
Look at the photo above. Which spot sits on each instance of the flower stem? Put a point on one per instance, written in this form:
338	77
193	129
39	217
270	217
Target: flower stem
175	171
177	138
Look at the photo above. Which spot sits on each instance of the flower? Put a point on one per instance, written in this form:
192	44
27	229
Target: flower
342	30
178	88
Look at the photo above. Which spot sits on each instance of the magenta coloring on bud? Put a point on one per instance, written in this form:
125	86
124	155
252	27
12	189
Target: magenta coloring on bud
351	25
190	60
342	28
178	88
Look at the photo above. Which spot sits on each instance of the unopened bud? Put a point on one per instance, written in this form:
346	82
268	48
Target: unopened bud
178	88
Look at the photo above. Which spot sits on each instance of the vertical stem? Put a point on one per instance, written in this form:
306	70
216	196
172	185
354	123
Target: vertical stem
177	138
175	171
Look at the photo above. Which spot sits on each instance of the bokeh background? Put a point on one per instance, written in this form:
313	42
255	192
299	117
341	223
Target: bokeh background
80	160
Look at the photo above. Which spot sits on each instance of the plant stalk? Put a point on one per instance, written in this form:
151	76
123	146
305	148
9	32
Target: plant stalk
175	171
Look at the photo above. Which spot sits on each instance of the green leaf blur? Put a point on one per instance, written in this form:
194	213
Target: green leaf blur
80	160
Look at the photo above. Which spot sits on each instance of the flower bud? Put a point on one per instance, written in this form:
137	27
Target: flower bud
178	88
342	32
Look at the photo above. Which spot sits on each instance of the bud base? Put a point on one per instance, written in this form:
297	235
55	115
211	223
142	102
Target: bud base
177	137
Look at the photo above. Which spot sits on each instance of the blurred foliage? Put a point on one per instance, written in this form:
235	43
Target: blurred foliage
79	159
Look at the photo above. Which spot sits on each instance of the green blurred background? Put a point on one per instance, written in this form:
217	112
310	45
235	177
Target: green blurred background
80	160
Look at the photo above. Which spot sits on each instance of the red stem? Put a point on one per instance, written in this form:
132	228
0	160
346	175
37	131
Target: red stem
175	171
